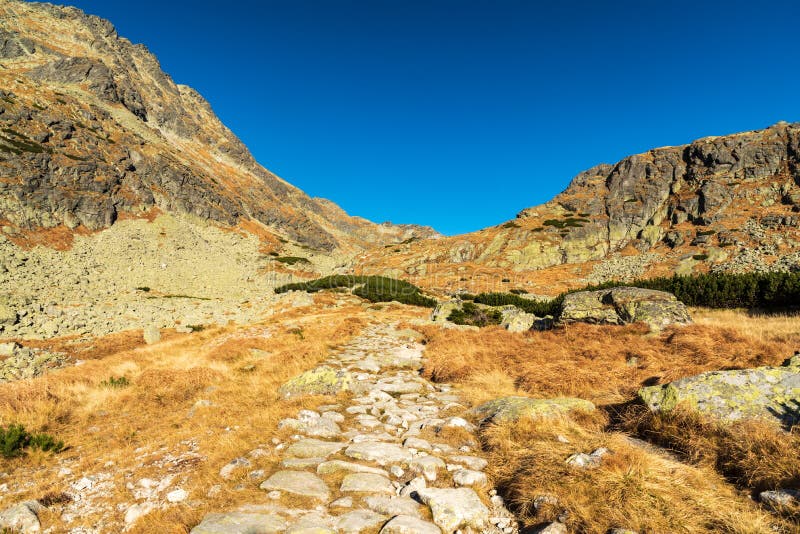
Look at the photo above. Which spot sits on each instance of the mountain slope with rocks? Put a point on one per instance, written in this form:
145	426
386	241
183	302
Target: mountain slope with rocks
729	203
92	130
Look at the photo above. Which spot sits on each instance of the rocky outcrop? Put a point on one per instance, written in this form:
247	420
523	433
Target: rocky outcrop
623	305
93	129
770	393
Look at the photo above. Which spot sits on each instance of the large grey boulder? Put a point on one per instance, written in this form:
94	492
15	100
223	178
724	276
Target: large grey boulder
771	393
516	320
623	305
453	509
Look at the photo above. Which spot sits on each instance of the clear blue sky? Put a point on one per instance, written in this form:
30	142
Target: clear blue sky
459	113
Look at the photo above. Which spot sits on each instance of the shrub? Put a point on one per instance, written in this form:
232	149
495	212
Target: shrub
372	288
14	439
473	315
115	383
511	224
536	307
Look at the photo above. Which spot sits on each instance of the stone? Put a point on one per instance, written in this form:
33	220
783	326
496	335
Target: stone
552	528
239	523
8	349
313	448
443	310
136	511
515	408
393	506
623	305
404	524
428	466
342	502
227	470
178	495
299	483
417	443
380	453
336	466
22	517
516	320
7	315
769	393
468	477
779	500
359	521
151	334
323	380
318	427
455	508
366	483
472	462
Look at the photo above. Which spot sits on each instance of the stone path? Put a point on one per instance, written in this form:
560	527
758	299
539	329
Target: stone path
396	459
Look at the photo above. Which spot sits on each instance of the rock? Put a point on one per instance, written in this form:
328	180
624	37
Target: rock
428	466
240	522
367	483
444	309
417	443
359	521
623	305
552	528
468	477
7	315
151	335
587	461
319	427
403	524
336	466
516	320
472	462
178	495
455	508
227	470
323	380
380	453
779	500
8	349
516	407
136	511
770	393
299	483
22	517
313	448
393	506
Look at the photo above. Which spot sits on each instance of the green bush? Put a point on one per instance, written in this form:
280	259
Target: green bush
537	307
14	439
115	383
372	288
473	315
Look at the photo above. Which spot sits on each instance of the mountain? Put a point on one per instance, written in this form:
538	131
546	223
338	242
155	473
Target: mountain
92	130
729	203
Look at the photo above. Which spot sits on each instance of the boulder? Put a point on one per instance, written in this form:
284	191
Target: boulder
770	393
151	335
516	320
444	309
299	483
322	380
405	524
623	305
22	517
515	407
455	508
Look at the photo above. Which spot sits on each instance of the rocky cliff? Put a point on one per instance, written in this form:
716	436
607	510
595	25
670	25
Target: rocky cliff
720	203
91	129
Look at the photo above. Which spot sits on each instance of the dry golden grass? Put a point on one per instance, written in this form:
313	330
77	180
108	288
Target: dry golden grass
632	488
605	364
153	427
635	487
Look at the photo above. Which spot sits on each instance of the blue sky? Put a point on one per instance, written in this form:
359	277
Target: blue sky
459	113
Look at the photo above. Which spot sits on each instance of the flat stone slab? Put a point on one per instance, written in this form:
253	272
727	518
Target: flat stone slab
468	477
239	522
367	483
516	407
404	524
359	521
22	517
380	453
335	466
313	448
393	506
472	462
455	508
300	483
